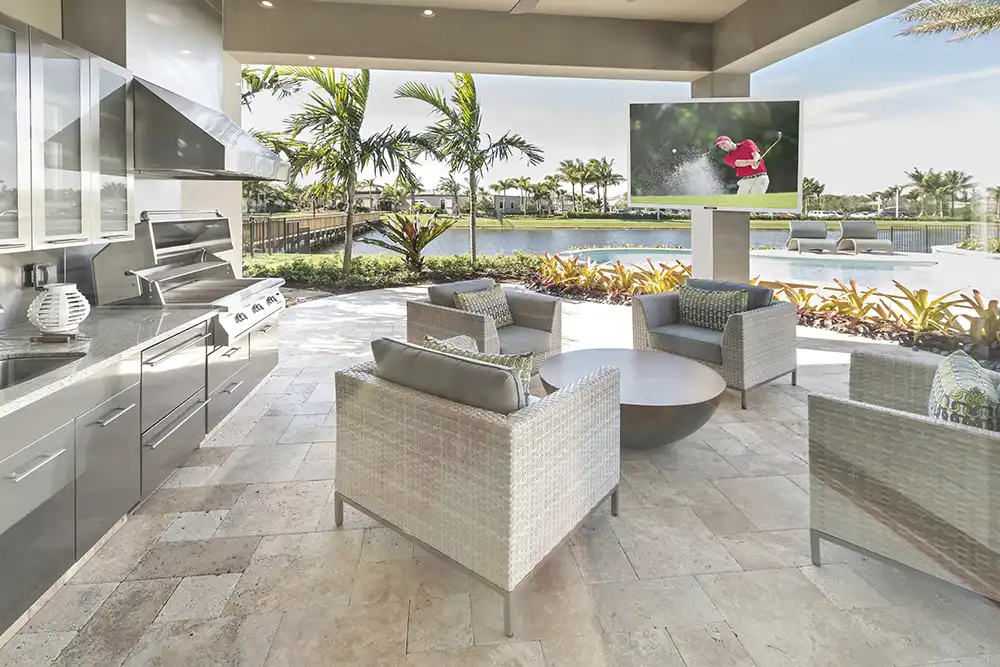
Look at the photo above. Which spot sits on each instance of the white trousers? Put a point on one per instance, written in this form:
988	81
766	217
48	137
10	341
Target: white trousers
753	186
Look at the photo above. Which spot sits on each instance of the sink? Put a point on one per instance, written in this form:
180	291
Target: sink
16	370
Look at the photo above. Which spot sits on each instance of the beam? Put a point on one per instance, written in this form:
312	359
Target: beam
760	33
396	37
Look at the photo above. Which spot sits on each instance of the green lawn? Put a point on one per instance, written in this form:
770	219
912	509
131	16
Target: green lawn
771	200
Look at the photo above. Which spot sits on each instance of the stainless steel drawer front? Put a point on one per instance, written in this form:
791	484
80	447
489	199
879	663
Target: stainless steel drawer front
172	372
183	419
166	445
33	475
225	362
41	461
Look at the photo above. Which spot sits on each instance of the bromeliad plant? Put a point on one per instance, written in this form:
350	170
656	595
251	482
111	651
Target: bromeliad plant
984	326
921	314
407	236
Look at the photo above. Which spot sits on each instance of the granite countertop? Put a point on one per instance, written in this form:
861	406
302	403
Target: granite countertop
112	334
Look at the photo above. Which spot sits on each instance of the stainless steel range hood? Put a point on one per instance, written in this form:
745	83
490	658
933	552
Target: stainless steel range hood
178	138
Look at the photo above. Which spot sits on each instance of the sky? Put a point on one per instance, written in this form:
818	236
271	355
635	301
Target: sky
874	106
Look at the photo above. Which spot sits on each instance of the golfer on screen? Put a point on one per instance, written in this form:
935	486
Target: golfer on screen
745	157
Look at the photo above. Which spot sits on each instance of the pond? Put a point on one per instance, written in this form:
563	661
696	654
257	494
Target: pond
509	241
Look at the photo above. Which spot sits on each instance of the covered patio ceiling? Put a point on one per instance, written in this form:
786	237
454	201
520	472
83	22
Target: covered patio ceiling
664	40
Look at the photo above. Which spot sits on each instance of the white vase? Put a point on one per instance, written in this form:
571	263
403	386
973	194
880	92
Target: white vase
59	309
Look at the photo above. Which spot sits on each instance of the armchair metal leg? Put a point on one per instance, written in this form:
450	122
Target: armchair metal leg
614	502
508	624
743	398
338	509
814	547
795	378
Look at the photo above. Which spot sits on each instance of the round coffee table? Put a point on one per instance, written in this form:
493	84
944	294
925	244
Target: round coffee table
663	397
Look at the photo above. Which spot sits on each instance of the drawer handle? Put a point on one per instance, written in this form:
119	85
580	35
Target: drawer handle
195	409
13	245
266	329
169	354
113	415
47	458
231	352
232	388
75	239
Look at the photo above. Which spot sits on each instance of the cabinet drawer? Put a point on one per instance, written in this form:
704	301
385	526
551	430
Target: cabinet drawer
107	466
167	444
37	543
224	362
264	346
228	395
172	371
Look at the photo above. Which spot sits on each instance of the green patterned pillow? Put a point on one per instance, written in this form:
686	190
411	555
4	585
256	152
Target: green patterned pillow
492	302
519	363
962	393
710	309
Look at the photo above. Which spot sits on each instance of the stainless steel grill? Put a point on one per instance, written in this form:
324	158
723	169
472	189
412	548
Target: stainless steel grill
174	261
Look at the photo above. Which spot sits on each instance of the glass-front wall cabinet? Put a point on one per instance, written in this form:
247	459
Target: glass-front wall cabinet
15	137
60	142
112	130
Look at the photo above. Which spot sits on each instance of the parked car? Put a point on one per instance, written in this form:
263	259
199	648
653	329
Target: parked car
824	214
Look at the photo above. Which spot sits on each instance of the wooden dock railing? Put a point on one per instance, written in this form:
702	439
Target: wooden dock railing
298	234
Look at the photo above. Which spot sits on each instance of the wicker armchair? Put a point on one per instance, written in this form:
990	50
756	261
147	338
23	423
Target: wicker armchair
756	347
887	480
493	494
537	324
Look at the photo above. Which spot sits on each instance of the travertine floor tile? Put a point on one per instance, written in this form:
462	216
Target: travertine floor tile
235	641
196	558
207	457
843	586
187	477
250	465
645	648
515	654
34	649
406	579
193	526
766	550
267	509
70	608
691	460
439	623
115	560
771	503
382	544
199	598
193	499
657	603
710	645
598	554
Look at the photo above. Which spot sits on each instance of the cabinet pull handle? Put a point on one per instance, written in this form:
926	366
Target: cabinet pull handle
160	358
116	236
47	458
232	388
231	352
113	415
13	245
267	328
195	409
72	240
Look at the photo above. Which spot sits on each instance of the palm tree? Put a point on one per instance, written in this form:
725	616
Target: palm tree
605	176
994	192
552	186
955	183
523	187
569	173
923	184
589	171
409	188
964	19
452	187
368	185
457	138
876	198
275	80
811	188
333	118
509	184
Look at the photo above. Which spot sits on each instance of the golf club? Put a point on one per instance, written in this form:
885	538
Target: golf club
772	145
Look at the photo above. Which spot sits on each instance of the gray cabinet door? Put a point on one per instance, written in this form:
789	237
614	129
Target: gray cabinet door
108	474
172	372
264	346
37	541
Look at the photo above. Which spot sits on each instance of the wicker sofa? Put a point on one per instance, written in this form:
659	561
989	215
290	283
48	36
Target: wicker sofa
537	324
492	493
887	480
756	347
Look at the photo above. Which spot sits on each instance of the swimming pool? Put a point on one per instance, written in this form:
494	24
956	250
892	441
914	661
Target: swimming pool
915	271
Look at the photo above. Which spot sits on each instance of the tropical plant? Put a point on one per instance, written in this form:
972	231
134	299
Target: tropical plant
927	185
850	301
573	172
605	176
457	137
332	118
955	183
450	186
984	324
800	297
922	314
523	185
811	189
964	19
994	193
407	236
275	80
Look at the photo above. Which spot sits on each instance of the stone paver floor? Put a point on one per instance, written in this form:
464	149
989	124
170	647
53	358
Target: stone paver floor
236	560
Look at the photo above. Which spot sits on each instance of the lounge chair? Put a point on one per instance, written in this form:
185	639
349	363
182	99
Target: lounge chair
862	236
809	236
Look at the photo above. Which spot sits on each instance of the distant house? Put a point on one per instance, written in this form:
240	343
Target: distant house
369	197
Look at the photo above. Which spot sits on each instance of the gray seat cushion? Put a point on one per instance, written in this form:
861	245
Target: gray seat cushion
465	381
516	339
757	297
688	341
444	295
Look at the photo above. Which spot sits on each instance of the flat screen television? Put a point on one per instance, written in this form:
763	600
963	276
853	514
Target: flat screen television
738	155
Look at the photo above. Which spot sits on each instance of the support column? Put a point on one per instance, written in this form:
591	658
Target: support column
720	240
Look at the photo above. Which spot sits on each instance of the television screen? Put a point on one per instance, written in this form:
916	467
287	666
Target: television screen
739	155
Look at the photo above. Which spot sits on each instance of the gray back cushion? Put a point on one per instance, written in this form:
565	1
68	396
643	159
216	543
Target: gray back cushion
444	295
757	297
465	381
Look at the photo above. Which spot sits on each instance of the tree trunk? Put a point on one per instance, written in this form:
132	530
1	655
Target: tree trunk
349	227
472	218
454	202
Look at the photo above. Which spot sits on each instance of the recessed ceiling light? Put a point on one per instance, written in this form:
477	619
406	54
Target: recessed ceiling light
427	13
266	3
312	57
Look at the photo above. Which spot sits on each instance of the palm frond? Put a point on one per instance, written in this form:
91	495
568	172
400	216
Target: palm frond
963	18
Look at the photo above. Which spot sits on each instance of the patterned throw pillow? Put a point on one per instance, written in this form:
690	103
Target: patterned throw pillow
519	363
492	302
962	393
710	309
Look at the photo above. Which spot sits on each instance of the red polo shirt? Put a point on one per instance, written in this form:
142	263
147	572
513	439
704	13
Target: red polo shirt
744	151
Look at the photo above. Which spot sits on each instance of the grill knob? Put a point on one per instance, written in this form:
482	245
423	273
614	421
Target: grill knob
257	308
241	317
272	299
